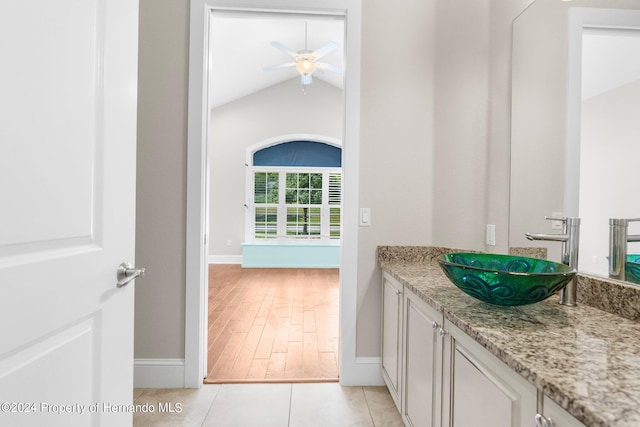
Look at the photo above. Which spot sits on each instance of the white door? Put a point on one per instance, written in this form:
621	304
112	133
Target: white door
68	83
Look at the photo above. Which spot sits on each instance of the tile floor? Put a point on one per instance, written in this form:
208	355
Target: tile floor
267	405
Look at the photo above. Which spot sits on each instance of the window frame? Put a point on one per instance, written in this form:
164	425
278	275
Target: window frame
282	207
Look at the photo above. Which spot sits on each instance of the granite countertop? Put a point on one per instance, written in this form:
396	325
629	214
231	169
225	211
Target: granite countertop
585	359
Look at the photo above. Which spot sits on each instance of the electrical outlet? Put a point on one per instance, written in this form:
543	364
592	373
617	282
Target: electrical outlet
229	242
491	234
556	225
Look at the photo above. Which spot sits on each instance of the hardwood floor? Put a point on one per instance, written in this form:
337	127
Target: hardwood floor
272	325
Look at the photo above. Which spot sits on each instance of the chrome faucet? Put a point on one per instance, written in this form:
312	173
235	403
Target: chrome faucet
570	239
618	239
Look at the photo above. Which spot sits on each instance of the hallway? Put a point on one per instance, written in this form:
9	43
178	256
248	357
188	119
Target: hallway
272	325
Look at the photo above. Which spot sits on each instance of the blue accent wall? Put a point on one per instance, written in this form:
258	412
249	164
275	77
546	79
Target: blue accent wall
299	153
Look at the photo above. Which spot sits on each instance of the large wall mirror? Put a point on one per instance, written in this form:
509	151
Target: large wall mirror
575	148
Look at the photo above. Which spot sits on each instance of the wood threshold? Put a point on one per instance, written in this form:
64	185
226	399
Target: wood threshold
272	381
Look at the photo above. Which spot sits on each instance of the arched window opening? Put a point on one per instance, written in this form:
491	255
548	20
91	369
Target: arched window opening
295	192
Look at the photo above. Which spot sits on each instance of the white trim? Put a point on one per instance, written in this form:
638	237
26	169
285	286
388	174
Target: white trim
365	371
350	371
196	299
224	259
158	373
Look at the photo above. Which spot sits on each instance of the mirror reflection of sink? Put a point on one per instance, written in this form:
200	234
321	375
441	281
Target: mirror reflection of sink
632	268
505	280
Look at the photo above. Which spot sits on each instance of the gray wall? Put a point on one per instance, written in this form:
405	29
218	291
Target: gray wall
396	144
161	182
279	110
472	121
434	150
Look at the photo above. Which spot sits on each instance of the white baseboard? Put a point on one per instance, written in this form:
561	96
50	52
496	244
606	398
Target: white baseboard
158	373
364	372
224	259
169	373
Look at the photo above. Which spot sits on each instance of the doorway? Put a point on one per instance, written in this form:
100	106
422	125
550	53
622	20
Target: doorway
270	324
353	370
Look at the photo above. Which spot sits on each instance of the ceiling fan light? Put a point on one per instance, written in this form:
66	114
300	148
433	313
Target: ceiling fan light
305	66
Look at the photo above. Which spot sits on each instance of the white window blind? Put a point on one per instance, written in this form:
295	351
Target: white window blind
296	203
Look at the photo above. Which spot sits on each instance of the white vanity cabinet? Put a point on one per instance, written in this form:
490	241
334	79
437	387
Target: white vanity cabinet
422	367
411	354
392	302
481	391
438	376
555	416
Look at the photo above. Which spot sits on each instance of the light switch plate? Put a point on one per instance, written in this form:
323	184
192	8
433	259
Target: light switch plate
365	217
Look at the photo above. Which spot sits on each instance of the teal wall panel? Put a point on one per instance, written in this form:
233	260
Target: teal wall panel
290	255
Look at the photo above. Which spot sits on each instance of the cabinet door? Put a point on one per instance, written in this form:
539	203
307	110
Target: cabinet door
560	418
483	391
392	336
422	375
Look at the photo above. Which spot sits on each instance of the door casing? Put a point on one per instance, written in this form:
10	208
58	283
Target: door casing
352	370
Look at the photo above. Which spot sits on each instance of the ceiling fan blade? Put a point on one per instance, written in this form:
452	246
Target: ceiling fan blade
279	67
325	49
284	49
329	67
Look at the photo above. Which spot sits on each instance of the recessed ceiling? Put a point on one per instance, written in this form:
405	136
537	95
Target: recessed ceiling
240	47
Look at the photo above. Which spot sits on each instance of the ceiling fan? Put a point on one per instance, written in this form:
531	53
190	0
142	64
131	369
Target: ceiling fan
306	61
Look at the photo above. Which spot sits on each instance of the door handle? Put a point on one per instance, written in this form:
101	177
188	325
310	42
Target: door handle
126	273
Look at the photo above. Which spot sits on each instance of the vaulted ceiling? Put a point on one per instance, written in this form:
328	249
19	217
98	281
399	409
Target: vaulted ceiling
240	47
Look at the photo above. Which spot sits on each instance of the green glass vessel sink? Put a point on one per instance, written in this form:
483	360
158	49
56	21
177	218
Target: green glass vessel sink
505	280
632	268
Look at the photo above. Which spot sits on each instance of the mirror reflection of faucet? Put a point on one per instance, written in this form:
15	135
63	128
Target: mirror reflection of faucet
618	238
570	238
